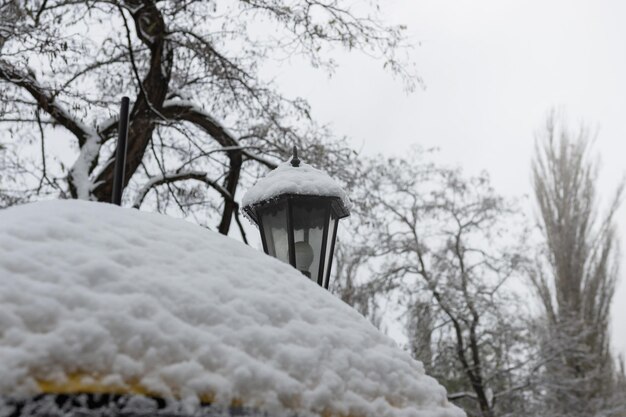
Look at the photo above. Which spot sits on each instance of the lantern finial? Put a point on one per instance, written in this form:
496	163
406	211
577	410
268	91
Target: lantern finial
295	162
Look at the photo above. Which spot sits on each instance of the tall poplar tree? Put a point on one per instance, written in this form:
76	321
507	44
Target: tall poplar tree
576	278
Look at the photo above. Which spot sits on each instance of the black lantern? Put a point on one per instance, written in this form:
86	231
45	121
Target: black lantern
298	228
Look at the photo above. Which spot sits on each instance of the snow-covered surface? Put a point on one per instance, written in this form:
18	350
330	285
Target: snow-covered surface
287	179
127	298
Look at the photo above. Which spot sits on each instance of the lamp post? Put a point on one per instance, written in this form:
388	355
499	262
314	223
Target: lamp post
120	153
297	209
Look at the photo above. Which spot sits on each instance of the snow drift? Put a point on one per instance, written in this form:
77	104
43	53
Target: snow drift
95	295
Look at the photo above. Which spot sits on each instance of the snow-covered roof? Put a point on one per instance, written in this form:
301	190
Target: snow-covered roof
94	294
302	180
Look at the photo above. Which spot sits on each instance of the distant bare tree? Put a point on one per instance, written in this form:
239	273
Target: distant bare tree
443	248
576	277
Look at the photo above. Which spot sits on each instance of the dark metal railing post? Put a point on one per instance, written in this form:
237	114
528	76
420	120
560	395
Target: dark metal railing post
120	154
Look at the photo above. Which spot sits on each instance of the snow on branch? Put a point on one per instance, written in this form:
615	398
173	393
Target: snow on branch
458	395
81	182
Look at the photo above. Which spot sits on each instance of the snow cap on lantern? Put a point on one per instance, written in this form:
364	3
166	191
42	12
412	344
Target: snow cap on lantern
297	208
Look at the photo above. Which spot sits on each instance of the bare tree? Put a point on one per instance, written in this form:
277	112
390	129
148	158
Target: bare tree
200	110
444	248
575	279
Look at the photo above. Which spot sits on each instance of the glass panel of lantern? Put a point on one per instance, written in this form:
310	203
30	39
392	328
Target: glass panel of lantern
274	229
328	263
309	221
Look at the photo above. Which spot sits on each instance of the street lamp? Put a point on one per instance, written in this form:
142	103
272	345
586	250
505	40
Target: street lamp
297	209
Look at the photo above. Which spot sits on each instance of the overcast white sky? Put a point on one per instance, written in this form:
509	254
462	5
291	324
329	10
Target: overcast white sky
492	69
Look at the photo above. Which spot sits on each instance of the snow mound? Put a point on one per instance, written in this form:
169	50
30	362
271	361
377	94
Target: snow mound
302	180
91	293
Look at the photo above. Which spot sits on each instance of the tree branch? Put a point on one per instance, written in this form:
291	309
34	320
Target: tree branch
185	111
172	177
45	100
459	395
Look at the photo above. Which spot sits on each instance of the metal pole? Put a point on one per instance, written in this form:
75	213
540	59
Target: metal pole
120	154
